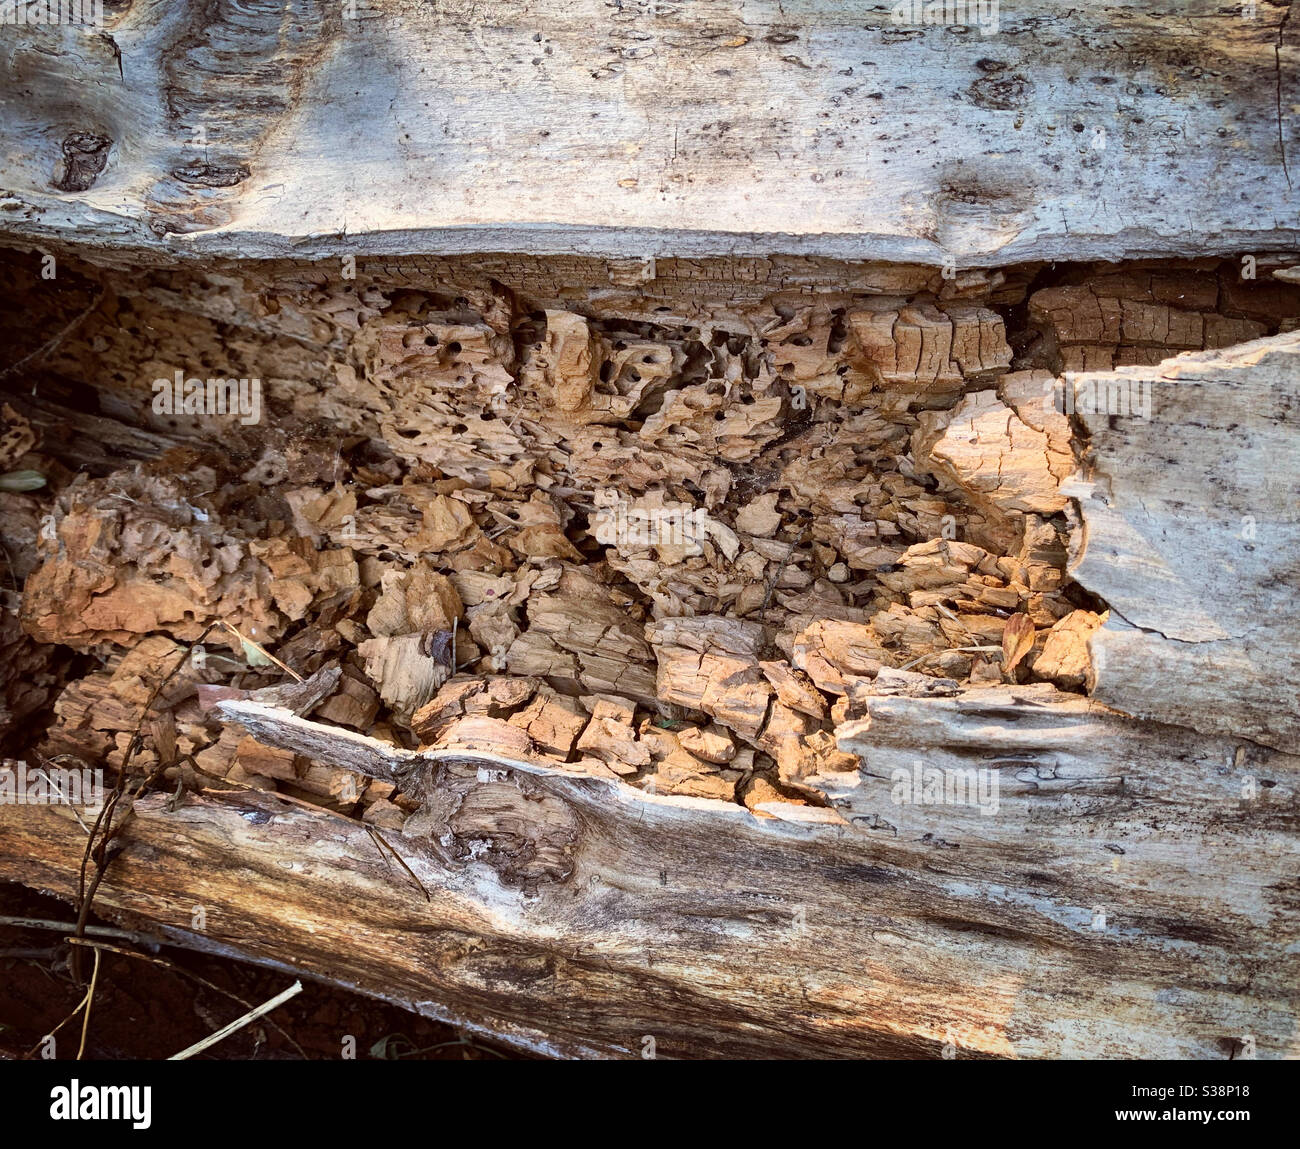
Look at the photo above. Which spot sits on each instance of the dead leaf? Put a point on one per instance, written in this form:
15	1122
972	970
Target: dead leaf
1017	641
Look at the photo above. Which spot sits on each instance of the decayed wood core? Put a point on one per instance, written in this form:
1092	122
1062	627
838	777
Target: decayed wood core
713	529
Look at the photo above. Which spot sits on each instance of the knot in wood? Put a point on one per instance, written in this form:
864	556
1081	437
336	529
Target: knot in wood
511	822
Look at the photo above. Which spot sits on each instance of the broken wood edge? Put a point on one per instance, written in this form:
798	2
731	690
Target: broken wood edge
207	825
602	242
889	929
388	763
1175	629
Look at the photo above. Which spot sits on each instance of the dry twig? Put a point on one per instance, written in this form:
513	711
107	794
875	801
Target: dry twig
238	1024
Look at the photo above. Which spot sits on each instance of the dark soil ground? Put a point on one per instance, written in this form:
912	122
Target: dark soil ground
143	1010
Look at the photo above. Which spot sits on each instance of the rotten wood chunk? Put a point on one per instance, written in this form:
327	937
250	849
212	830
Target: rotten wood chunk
465	696
832	653
711	743
681	773
96	716
1063	657
553	722
610	737
1001	462
29	671
355	704
1143	317
932	350
17	437
407	669
711	665
802	747
419	600
795	689
579	633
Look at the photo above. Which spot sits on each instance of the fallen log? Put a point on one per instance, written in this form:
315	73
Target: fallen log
649	626
579	917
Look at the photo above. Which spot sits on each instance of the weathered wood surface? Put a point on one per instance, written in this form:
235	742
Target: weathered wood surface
647	128
1192	537
664	779
578	916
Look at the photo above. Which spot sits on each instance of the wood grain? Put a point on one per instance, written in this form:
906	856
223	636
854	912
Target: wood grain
722	934
651	128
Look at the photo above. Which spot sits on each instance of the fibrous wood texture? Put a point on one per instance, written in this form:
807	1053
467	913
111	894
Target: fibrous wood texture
579	916
743	647
646	128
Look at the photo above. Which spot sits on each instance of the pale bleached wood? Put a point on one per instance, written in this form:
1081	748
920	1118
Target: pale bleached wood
1191	535
649	128
1080	774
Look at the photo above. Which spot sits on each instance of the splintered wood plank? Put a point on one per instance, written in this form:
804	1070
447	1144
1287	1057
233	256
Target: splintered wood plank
1192	531
648	128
